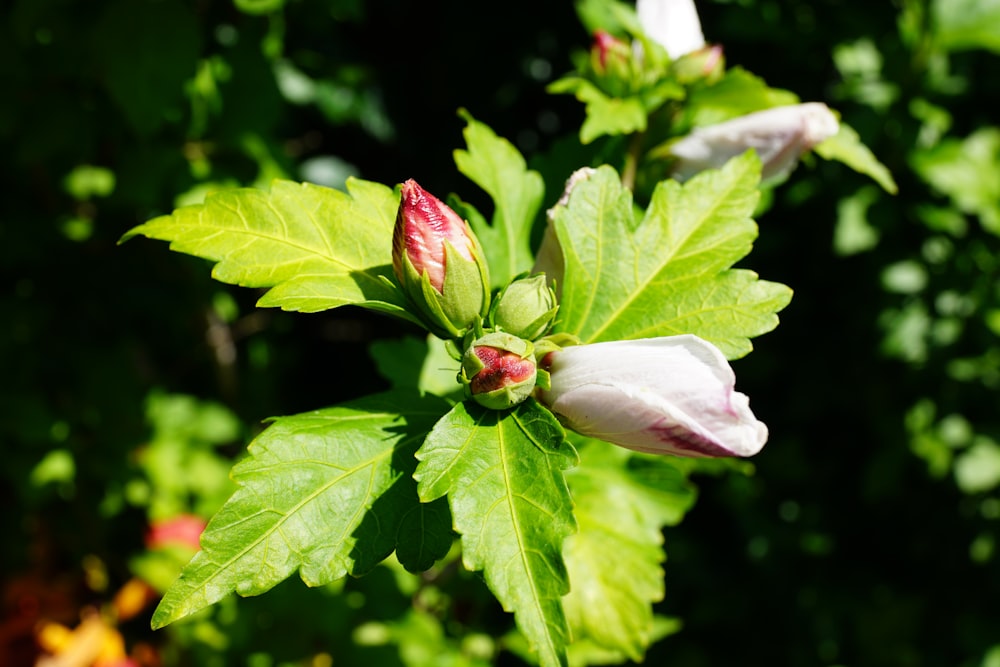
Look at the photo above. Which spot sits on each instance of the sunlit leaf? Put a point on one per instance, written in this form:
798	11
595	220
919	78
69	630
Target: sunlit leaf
316	248
846	147
668	273
967	24
968	172
493	164
606	115
737	93
327	493
502	473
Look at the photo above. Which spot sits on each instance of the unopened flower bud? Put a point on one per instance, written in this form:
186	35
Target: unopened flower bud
674	24
499	370
707	64
439	262
780	136
525	308
549	259
670	395
609	52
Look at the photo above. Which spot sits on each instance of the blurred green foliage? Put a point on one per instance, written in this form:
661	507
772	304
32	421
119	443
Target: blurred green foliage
867	535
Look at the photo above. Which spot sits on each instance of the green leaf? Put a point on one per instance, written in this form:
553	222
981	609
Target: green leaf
258	7
736	94
846	147
968	172
146	51
327	493
977	469
667	274
967	24
415	364
610	15
502	473
622	502
853	233
316	248
493	164
605	114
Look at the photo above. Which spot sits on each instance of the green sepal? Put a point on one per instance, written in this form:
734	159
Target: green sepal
465	300
526	307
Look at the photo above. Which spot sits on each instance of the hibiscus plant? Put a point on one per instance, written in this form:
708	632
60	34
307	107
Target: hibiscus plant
558	384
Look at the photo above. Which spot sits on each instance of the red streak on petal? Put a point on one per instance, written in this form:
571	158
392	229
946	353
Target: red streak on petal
685	440
423	224
502	369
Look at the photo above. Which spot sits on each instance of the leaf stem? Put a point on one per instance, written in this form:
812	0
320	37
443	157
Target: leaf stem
631	166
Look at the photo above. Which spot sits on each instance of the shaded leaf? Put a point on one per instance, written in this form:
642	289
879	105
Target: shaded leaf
667	274
417	364
147	51
622	501
316	248
327	493
502	473
495	165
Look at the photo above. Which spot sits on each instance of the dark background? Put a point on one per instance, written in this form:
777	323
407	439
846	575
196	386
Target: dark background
844	548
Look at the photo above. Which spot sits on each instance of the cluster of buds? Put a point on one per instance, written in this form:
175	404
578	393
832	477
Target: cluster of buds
439	263
671	395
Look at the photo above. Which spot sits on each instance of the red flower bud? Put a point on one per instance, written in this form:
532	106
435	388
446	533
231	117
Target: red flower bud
499	370
606	44
439	262
423	224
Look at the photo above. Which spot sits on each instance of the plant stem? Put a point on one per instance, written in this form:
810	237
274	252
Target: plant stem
632	160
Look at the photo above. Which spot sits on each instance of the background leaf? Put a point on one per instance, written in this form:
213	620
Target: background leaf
146	51
966	24
968	172
493	164
418	364
622	501
328	493
502	473
737	93
317	248
605	114
846	147
669	273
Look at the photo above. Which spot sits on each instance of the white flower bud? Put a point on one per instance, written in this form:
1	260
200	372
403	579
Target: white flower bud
671	395
779	135
673	24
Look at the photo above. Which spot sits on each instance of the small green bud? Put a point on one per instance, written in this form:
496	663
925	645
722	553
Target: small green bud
525	308
499	370
706	64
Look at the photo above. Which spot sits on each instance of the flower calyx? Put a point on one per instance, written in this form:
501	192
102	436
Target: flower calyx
439	263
